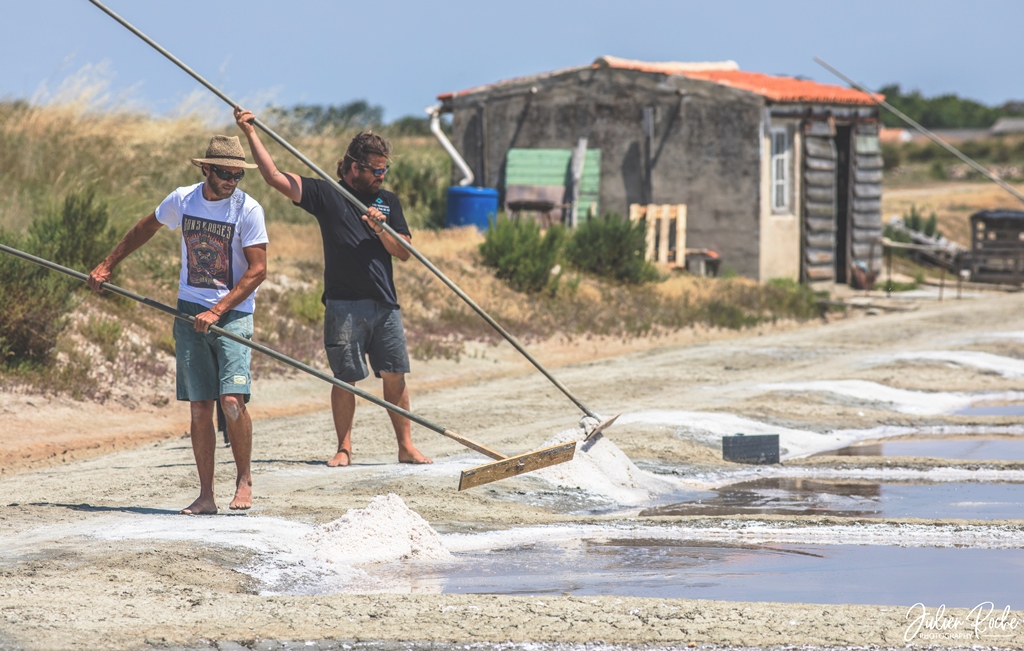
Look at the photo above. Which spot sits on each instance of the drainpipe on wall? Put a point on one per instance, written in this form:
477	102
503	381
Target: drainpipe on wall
435	128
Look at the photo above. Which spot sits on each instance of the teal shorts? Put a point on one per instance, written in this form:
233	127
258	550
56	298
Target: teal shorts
210	365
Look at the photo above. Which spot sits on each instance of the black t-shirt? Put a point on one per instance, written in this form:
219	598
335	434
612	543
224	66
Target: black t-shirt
356	264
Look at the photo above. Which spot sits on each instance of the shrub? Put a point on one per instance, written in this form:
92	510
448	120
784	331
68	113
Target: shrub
892	156
105	333
36	303
422	186
306	305
37	300
611	247
522	256
78	237
786	297
916	221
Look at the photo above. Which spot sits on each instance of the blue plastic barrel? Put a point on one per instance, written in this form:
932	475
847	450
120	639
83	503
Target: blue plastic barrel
469	206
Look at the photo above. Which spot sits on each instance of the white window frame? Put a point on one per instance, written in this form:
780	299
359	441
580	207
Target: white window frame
780	170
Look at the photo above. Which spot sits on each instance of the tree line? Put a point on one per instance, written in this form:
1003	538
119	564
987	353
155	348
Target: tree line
358	114
948	111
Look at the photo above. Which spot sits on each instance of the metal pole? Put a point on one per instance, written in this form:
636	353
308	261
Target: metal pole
888	286
934	138
355	202
265	350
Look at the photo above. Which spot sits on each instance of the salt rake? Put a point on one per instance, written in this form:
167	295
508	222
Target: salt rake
359	205
502	468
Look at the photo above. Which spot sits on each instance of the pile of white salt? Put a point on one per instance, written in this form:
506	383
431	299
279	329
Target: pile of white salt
385	531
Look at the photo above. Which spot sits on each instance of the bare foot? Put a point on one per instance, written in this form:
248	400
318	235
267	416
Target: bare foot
412	455
201	506
340	460
243	497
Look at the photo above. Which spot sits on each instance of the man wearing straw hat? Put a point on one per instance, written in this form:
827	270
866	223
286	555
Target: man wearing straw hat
223	261
362	316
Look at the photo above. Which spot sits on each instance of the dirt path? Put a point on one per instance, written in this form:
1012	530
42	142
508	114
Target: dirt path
79	570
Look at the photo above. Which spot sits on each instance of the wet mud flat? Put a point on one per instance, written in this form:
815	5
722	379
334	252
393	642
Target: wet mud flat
816	552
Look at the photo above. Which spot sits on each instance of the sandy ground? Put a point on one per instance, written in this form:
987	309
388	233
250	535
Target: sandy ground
74	475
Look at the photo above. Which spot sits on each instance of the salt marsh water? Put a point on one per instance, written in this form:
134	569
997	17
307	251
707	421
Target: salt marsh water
856	499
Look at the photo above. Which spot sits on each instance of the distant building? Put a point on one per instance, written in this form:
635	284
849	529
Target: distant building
895	136
1005	126
782	177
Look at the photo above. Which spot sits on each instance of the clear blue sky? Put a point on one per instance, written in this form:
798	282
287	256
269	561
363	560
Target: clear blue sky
401	54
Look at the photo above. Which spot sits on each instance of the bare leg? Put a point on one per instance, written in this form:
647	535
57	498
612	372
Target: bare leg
397	393
204	444
240	432
343	408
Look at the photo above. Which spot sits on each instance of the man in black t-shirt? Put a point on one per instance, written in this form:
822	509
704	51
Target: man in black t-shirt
362	317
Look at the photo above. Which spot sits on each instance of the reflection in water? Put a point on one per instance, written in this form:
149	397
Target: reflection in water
783	496
824	574
972	448
788	496
991	410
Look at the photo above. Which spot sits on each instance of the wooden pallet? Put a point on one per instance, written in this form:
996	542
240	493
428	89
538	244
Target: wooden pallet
663	246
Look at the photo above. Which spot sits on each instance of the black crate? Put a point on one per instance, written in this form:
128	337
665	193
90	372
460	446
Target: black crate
756	448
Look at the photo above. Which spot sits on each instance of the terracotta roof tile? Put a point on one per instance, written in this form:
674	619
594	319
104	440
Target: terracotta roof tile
727	73
785	89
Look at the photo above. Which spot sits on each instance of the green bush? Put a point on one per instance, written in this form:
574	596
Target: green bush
37	300
78	237
787	297
611	247
105	333
892	156
307	306
916	221
36	303
522	256
422	185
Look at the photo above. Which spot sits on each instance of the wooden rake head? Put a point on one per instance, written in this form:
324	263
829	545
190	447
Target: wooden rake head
507	467
517	465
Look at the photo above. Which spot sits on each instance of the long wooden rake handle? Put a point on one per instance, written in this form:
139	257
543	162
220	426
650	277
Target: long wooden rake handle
358	204
270	352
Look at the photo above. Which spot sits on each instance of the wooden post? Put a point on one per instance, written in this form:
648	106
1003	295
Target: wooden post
681	235
579	155
666	219
636	212
652	210
888	257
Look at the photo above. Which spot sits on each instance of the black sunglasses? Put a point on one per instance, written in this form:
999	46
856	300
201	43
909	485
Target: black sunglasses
225	175
378	172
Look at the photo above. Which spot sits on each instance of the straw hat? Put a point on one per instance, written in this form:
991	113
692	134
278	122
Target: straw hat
226	151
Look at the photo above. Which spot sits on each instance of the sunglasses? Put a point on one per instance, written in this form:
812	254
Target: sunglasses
377	172
225	175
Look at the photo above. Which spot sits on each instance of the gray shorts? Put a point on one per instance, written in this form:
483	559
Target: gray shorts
210	365
354	330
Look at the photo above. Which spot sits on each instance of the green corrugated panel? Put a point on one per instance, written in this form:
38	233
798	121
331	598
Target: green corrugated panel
551	167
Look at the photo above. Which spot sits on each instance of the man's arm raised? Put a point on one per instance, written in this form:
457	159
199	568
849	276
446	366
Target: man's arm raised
287	183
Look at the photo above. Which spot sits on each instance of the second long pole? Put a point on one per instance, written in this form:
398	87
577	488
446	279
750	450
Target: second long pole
358	204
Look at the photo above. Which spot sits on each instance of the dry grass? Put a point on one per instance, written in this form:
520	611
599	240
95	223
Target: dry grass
79	141
83	139
952	202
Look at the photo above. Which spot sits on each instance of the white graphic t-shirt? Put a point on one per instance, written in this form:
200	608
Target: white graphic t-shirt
213	234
